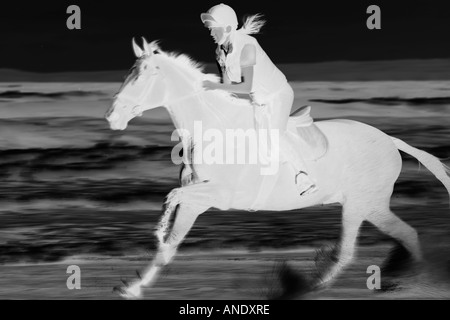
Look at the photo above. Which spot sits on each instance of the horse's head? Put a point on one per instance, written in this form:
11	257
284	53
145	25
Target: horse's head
143	88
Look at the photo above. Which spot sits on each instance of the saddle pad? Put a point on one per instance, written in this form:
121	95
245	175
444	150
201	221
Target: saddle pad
312	141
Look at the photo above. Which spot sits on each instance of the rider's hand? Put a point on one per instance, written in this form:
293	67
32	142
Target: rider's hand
209	85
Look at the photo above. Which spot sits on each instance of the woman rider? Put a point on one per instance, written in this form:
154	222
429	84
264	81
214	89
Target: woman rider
246	69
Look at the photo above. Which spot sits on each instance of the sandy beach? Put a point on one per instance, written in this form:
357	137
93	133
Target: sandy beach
224	275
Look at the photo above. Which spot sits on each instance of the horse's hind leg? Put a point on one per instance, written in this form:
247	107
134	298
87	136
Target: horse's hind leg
385	220
351	222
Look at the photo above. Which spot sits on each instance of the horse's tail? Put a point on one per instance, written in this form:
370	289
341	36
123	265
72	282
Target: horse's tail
440	170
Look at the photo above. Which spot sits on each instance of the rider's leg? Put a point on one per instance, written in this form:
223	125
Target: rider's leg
281	108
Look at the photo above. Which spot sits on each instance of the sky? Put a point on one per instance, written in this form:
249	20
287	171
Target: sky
35	36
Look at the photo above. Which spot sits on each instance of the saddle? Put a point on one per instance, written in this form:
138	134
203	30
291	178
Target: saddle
301	127
313	143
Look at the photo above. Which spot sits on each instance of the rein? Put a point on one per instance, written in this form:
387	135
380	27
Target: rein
192	94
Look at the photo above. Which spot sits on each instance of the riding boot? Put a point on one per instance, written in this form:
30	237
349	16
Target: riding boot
304	184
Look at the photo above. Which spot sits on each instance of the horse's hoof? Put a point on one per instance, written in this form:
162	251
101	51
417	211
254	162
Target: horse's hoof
120	290
128	292
389	286
290	284
399	263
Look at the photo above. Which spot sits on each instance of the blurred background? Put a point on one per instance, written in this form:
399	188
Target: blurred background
71	187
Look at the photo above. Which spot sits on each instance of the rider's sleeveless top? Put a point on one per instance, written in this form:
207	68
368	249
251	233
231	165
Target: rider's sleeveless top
267	78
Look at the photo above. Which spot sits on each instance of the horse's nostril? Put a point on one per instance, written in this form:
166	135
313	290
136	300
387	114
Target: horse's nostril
112	116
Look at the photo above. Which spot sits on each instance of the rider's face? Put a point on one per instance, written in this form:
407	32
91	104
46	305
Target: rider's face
218	33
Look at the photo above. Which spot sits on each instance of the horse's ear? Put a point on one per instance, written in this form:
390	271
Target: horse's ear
146	47
137	51
154	46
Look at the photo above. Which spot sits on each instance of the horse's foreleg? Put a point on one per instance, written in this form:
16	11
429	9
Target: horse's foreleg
170	236
187	204
186	214
351	221
173	235
182	208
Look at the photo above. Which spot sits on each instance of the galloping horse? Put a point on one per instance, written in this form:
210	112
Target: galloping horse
358	170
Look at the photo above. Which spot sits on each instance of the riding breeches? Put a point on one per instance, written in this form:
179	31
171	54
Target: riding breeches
274	114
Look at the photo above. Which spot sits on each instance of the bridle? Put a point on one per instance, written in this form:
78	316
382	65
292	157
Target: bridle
136	110
140	100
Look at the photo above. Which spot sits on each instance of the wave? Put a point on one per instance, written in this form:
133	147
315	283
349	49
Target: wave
389	101
53	235
110	190
101	161
17	94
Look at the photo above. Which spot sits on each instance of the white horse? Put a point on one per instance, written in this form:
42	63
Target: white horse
358	170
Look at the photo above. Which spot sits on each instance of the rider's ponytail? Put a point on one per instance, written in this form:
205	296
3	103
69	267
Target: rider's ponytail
253	24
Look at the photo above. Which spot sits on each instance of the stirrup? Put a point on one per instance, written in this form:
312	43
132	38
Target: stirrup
311	189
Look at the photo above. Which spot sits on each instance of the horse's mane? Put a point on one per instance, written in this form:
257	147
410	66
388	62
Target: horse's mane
182	60
194	68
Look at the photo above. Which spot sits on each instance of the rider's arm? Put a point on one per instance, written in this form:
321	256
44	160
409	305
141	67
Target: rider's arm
225	78
241	87
247	62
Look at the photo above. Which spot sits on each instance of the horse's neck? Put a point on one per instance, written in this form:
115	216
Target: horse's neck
194	104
